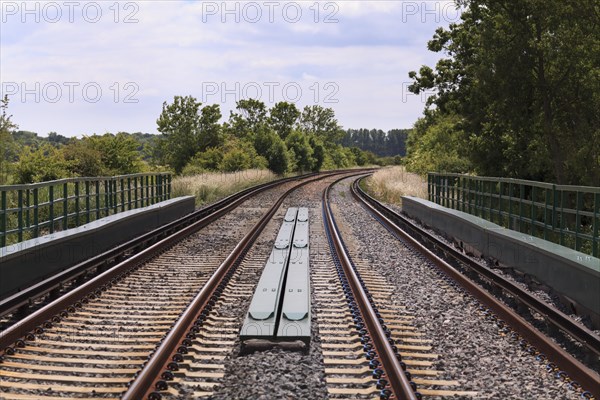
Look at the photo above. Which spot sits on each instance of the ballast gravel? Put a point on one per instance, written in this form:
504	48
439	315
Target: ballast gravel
276	373
472	349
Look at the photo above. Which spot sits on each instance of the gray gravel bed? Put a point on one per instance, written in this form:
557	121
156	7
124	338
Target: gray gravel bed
275	373
208	247
472	349
539	291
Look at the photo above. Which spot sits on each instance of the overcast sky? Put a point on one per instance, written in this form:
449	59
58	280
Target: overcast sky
93	67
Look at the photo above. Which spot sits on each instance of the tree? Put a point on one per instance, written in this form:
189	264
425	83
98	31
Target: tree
322	123
523	80
438	147
7	147
251	116
57	140
39	165
210	130
179	123
82	159
282	118
278	157
303	152
318	152
118	153
239	155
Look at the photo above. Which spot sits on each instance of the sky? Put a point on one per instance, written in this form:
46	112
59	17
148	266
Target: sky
84	67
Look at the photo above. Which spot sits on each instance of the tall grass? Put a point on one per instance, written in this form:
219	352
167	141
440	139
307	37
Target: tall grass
211	186
390	184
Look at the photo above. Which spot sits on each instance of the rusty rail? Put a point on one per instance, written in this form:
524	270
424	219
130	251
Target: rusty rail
398	381
59	308
29	295
154	376
575	369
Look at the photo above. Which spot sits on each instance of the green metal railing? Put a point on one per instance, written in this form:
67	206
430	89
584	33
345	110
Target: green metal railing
30	211
567	215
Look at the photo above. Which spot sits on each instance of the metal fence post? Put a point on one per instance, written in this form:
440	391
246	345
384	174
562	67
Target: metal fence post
595	225
97	184
147	190
87	202
532	214
27	209
546	212
129	193
169	179
510	205
153	189
36	214
76	203
115	193
65	206
141	191
3	220
579	207
51	207
20	215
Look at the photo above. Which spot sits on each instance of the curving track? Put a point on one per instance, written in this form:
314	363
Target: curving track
100	335
164	324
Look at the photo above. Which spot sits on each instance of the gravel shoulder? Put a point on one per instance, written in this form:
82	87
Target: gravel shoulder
472	349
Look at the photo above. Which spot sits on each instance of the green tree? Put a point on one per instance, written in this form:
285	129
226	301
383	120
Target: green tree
438	147
40	165
179	124
82	159
239	155
118	153
251	115
321	122
303	152
57	140
207	160
278	157
318	152
187	130
7	146
523	79
211	134
283	117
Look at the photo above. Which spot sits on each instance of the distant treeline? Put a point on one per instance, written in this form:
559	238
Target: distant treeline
380	143
193	139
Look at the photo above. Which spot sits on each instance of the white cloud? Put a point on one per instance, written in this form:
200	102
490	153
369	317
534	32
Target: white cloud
180	48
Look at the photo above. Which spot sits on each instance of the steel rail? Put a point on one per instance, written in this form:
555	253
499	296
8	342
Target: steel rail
59	308
398	381
149	380
579	372
39	289
559	319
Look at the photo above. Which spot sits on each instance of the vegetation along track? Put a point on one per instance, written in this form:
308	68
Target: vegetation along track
92	341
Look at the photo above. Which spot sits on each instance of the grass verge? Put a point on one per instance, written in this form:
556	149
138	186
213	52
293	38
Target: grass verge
211	186
390	184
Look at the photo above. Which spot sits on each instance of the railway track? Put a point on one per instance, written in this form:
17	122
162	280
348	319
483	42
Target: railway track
92	341
558	360
172	328
15	307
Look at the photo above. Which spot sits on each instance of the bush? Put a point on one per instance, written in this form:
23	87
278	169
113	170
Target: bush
44	164
208	160
242	156
303	152
278	157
